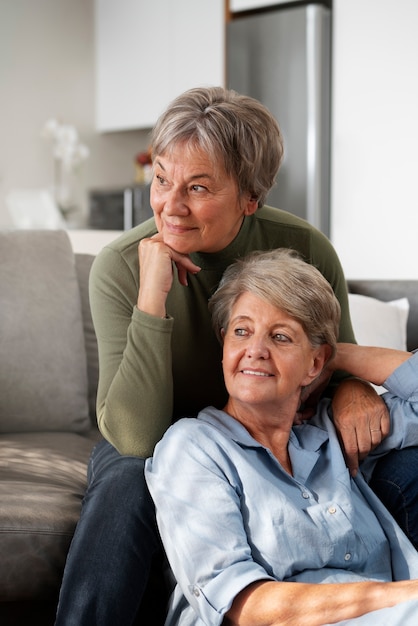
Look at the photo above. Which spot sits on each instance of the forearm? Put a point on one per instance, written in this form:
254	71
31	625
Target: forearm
135	397
288	604
368	363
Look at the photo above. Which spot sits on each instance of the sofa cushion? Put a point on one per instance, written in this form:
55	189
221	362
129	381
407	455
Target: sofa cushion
43	370
43	481
377	323
387	290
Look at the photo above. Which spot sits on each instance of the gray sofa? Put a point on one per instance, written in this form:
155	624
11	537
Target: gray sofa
48	380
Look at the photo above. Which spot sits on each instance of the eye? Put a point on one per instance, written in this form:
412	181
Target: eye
198	188
240	332
280	338
160	179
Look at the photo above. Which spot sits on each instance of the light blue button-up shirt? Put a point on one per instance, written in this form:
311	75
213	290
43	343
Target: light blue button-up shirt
229	515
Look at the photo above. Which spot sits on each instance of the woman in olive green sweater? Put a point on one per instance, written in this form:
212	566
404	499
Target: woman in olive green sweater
156	368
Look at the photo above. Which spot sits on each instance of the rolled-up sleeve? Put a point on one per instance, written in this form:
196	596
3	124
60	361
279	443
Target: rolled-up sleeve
403	382
198	500
402	402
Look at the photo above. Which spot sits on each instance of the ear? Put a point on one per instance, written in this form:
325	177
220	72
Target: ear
320	357
249	203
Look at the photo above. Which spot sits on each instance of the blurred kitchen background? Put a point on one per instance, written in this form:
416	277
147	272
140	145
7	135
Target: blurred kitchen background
104	70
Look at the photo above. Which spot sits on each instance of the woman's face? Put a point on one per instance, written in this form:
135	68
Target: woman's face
267	356
196	205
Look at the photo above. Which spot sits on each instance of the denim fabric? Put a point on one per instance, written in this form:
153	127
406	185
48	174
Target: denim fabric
395	482
115	542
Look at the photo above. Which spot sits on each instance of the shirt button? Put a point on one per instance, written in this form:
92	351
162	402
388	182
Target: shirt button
196	592
347	557
332	510
305	495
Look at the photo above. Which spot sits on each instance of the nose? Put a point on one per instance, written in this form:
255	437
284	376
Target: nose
175	202
257	348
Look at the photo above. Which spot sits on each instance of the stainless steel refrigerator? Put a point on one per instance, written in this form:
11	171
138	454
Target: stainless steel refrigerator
282	57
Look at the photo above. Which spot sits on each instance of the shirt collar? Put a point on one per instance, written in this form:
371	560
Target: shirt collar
307	436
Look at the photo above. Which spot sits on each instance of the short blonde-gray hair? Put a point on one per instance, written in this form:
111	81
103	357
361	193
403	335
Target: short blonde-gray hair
283	279
233	129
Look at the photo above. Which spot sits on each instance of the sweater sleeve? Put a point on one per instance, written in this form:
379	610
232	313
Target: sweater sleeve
325	258
135	393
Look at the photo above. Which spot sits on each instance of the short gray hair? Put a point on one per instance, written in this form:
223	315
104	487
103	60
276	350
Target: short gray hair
283	279
233	128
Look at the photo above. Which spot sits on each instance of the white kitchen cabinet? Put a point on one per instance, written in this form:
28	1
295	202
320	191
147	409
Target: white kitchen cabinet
246	5
149	51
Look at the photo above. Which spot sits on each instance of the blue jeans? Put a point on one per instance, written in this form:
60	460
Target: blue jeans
395	482
114	545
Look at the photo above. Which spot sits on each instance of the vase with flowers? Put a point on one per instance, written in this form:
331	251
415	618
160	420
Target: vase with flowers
68	154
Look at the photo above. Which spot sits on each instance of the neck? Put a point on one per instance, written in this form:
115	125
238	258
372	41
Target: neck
270	427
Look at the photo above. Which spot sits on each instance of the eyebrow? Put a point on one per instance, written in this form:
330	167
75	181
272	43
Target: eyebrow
244	318
193	177
239	318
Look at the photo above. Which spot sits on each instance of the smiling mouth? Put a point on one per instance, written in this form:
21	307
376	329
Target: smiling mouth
253	373
178	228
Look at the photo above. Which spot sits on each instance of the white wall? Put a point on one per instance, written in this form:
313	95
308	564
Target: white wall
374	199
47	70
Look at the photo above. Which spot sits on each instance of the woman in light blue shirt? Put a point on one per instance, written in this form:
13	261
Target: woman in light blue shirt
261	521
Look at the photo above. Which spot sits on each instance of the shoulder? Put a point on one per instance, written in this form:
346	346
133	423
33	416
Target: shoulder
287	230
184	434
284	218
203	438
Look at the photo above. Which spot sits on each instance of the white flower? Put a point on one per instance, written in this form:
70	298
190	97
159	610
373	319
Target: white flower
81	153
66	146
66	135
50	128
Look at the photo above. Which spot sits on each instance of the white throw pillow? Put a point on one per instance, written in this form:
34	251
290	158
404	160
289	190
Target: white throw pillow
378	323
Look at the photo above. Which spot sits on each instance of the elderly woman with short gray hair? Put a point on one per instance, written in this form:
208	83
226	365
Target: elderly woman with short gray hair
260	518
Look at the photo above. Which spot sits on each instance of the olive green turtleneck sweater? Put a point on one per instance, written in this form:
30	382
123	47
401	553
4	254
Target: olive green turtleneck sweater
155	370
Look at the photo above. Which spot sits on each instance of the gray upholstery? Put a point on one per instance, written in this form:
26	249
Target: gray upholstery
42	350
43	479
43	472
83	264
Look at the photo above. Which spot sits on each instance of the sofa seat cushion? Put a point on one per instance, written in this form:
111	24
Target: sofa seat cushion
43	483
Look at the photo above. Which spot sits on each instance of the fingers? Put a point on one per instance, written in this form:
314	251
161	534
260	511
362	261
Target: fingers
350	447
361	419
361	436
375	437
183	262
367	439
156	273
357	440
